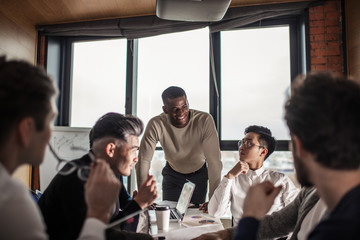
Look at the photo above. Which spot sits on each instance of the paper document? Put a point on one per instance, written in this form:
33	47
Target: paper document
199	220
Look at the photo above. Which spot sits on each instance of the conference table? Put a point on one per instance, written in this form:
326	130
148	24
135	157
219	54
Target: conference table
194	224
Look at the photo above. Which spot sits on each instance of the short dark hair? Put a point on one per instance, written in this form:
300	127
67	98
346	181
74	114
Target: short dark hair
172	92
265	137
323	112
117	126
25	91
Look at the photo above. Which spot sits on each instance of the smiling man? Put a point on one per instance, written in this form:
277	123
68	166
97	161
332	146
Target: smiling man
191	146
114	138
254	148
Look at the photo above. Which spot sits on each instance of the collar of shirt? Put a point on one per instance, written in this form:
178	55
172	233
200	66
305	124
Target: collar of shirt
257	172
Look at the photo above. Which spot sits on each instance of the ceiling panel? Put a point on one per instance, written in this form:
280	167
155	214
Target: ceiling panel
61	11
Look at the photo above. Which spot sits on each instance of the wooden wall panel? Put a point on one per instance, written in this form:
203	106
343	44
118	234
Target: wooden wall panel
352	21
18	41
15	41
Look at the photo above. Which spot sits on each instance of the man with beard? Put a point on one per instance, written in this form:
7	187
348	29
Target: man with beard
323	119
191	147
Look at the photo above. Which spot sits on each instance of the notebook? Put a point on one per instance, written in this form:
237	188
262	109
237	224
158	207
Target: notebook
177	213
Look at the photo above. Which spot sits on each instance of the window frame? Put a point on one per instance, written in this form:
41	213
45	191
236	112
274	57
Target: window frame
299	55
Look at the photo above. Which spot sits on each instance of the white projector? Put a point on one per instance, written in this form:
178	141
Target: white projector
192	10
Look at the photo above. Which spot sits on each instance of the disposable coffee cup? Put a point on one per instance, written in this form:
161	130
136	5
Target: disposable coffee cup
162	217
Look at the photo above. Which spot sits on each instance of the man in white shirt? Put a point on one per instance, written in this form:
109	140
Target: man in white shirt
27	97
254	148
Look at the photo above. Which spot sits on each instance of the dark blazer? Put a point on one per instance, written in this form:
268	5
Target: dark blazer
64	209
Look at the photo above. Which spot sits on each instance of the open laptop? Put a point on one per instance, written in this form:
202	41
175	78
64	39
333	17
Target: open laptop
177	213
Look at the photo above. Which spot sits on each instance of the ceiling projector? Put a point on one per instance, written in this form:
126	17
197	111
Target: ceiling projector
192	10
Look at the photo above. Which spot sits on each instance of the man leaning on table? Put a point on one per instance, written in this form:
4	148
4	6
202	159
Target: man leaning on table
323	119
27	108
191	146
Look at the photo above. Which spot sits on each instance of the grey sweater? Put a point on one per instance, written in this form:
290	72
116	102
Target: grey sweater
288	219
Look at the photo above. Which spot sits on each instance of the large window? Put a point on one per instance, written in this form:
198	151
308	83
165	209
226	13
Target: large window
98	80
178	59
255	68
252	67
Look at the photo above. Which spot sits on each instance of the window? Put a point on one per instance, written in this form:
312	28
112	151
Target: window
253	65
255	74
98	80
178	59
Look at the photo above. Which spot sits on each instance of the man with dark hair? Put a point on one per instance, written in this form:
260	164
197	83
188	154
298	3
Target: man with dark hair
27	107
114	138
323	119
191	146
254	148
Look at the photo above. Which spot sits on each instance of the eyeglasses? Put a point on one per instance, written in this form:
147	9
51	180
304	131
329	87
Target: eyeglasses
65	167
247	144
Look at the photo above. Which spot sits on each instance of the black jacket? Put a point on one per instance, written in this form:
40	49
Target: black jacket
64	209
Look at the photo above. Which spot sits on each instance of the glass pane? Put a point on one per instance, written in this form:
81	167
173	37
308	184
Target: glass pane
178	59
98	80
157	164
282	161
255	75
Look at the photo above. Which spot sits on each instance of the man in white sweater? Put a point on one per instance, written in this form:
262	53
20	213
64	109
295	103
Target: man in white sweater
27	97
191	146
254	148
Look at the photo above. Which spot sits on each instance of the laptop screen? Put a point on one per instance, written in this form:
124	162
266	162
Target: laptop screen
185	197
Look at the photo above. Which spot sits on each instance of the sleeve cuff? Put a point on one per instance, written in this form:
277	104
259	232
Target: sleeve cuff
247	229
225	181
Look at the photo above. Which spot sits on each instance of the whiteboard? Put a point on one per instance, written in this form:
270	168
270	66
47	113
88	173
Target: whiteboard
62	139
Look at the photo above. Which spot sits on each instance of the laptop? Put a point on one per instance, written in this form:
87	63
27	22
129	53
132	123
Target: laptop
178	213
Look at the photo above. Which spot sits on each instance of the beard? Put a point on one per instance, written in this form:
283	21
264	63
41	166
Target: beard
302	174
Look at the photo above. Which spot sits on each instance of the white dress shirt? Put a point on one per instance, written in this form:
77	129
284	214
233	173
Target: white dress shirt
21	218
233	192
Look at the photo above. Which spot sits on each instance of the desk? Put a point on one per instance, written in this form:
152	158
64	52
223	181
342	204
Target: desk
183	230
